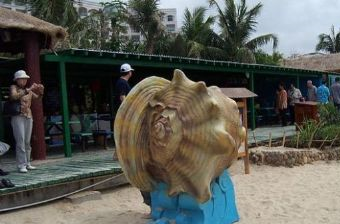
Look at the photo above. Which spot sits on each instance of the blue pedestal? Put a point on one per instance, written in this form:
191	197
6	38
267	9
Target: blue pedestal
184	209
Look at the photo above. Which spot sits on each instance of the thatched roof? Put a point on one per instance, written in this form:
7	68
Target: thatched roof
320	62
238	93
12	21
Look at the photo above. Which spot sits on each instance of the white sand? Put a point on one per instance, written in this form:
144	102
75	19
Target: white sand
308	194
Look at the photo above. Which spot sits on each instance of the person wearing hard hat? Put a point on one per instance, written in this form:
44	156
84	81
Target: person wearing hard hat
122	87
22	122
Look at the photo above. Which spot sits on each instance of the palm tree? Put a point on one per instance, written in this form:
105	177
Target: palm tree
116	13
237	23
199	35
329	43
58	12
146	18
101	29
90	32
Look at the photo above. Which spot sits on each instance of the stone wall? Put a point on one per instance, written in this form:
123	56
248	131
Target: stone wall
289	157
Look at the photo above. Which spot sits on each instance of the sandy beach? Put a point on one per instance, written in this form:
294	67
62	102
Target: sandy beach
307	194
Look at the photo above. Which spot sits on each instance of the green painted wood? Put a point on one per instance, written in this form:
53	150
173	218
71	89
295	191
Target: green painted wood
65	110
298	82
62	172
182	63
252	101
112	109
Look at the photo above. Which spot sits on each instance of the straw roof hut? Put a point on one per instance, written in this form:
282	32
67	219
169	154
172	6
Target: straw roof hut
320	62
13	24
21	32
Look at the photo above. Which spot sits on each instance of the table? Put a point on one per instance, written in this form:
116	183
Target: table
305	111
54	132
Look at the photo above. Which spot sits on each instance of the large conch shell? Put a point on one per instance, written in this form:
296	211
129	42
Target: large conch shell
179	132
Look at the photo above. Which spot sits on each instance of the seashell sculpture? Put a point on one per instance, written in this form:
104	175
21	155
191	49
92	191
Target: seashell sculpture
179	132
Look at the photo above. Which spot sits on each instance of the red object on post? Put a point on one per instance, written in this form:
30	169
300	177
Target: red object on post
32	66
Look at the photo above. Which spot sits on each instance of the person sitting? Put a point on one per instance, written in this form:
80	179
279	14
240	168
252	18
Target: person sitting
4	182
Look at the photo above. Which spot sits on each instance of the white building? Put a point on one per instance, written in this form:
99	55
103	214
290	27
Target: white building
15	5
85	7
169	20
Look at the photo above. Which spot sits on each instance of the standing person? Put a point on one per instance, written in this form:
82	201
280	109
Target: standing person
122	87
323	93
311	92
22	124
294	96
121	91
335	93
282	104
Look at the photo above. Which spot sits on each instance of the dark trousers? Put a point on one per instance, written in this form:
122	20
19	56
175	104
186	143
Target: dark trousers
292	114
282	113
146	197
337	106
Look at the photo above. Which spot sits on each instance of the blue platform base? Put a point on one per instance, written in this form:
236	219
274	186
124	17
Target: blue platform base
184	209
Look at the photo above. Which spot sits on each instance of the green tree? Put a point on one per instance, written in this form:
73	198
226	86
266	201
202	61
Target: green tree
199	35
178	47
237	24
267	59
116	12
101	29
329	42
58	12
146	18
91	32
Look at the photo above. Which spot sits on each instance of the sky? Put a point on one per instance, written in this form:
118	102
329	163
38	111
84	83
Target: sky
297	23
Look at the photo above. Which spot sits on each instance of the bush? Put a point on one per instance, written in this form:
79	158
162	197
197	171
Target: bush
329	114
328	131
306	132
328	127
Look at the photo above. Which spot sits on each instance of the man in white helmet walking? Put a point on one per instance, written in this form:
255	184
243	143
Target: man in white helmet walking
122	87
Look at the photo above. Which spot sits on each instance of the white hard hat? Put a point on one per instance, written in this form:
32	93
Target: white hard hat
126	68
21	74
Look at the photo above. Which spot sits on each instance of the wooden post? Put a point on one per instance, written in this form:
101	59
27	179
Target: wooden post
1	123
245	124
255	138
112	108
336	137
32	66
65	111
284	138
298	81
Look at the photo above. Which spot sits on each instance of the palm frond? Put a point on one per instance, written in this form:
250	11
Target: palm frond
262	40
325	43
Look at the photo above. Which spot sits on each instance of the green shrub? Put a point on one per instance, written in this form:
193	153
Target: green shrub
306	131
328	131
327	128
329	114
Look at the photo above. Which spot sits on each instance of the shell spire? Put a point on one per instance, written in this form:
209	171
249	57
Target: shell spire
179	132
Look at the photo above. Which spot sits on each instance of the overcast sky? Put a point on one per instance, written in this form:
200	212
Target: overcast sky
297	23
